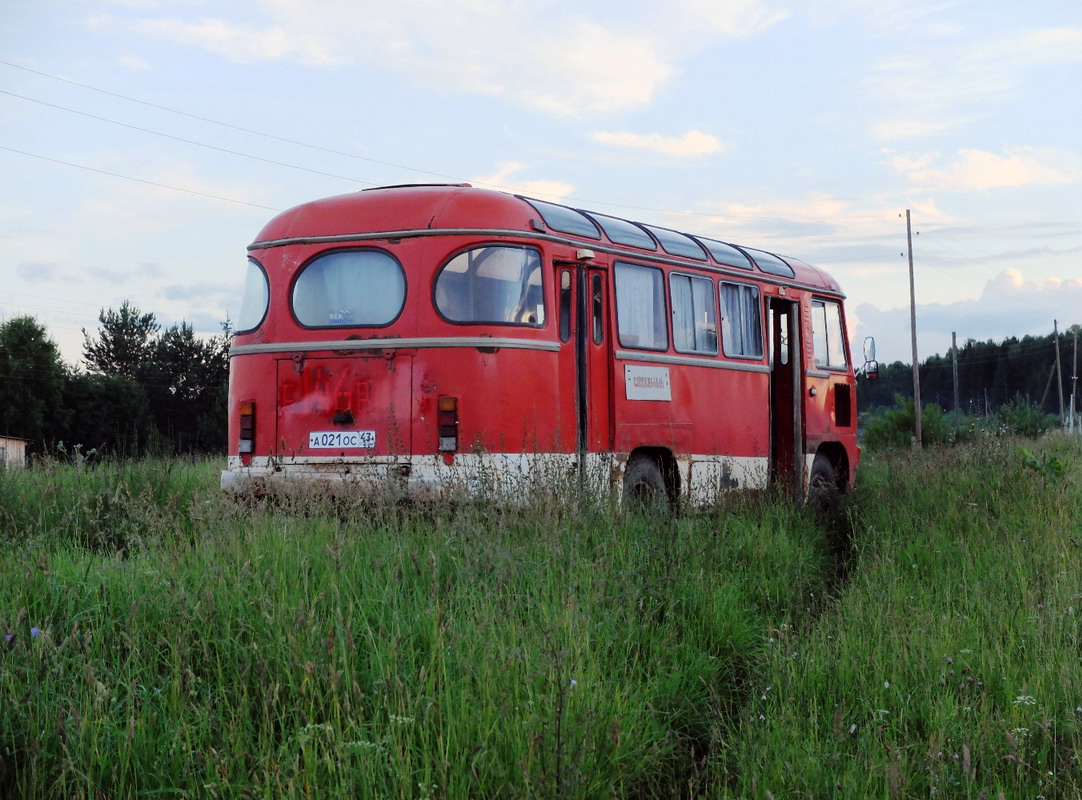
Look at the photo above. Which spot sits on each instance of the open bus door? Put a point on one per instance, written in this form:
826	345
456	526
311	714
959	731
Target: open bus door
585	355
786	418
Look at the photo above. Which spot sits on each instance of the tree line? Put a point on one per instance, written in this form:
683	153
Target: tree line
141	389
990	375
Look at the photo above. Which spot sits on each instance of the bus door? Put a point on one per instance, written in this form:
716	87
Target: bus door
586	362
786	425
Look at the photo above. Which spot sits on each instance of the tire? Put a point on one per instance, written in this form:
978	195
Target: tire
644	485
824	494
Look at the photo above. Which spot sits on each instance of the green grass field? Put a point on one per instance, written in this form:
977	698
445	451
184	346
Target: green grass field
166	641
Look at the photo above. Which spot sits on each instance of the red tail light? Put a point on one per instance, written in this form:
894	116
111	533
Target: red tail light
246	445
448	423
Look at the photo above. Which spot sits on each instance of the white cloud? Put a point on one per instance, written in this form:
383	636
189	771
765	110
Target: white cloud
690	145
1009	305
732	18
973	170
940	81
562	59
244	43
504	180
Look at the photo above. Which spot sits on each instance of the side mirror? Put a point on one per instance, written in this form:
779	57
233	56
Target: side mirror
871	370
869	348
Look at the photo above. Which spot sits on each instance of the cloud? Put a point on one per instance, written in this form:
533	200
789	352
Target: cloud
194	292
504	180
244	43
942	82
973	170
690	145
732	18
1009	305
558	58
37	272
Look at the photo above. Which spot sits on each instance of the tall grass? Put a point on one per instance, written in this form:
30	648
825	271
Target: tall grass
950	666
190	646
166	641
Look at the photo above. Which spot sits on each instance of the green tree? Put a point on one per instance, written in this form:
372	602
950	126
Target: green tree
123	344
186	380
108	413
31	382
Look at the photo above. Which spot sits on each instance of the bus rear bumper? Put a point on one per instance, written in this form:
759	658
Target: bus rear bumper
507	476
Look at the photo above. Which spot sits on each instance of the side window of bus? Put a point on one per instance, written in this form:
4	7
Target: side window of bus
694	315
741	320
347	288
829	345
493	284
640	307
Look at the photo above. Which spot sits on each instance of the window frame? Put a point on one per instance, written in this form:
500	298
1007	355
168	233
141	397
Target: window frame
266	304
665	312
335	251
504	245
743	286
712	294
843	341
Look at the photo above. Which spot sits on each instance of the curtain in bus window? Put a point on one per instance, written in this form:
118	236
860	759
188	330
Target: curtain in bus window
828	343
640	307
492	284
348	288
741	323
694	317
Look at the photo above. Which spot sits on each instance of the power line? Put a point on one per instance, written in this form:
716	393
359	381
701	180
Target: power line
187	141
138	180
452	178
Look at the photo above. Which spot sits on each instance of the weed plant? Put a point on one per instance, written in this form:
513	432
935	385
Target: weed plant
161	639
949	666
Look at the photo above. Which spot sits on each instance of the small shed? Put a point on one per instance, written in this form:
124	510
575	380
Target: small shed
12	452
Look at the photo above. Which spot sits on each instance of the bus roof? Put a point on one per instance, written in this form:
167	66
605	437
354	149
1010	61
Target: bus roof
429	207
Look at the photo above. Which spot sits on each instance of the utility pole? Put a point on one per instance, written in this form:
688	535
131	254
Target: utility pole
913	328
1074	380
1059	374
954	369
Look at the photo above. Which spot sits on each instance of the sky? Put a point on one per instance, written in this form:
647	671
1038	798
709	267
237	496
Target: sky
144	143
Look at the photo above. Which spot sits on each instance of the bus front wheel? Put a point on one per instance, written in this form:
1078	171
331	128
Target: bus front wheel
824	494
644	485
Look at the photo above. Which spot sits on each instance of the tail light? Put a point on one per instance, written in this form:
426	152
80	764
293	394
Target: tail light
448	423
246	445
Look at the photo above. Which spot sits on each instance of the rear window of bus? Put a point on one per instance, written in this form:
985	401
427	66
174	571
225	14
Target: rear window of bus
349	288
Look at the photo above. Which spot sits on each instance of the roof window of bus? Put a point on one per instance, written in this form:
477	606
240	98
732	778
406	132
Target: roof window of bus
564	219
770	263
726	254
623	232
640	307
349	288
254	302
741	322
493	284
678	244
829	344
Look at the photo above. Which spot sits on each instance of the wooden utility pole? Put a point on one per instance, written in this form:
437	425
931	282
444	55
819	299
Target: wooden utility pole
954	370
913	329
1059	374
1074	381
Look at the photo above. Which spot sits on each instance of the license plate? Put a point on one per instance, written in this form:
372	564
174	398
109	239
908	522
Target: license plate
337	440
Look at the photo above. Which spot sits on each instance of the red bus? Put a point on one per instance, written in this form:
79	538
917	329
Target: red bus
445	338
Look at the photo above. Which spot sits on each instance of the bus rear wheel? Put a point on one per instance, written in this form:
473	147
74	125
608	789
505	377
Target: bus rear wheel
644	485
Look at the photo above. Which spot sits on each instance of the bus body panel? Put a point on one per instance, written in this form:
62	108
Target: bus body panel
358	402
